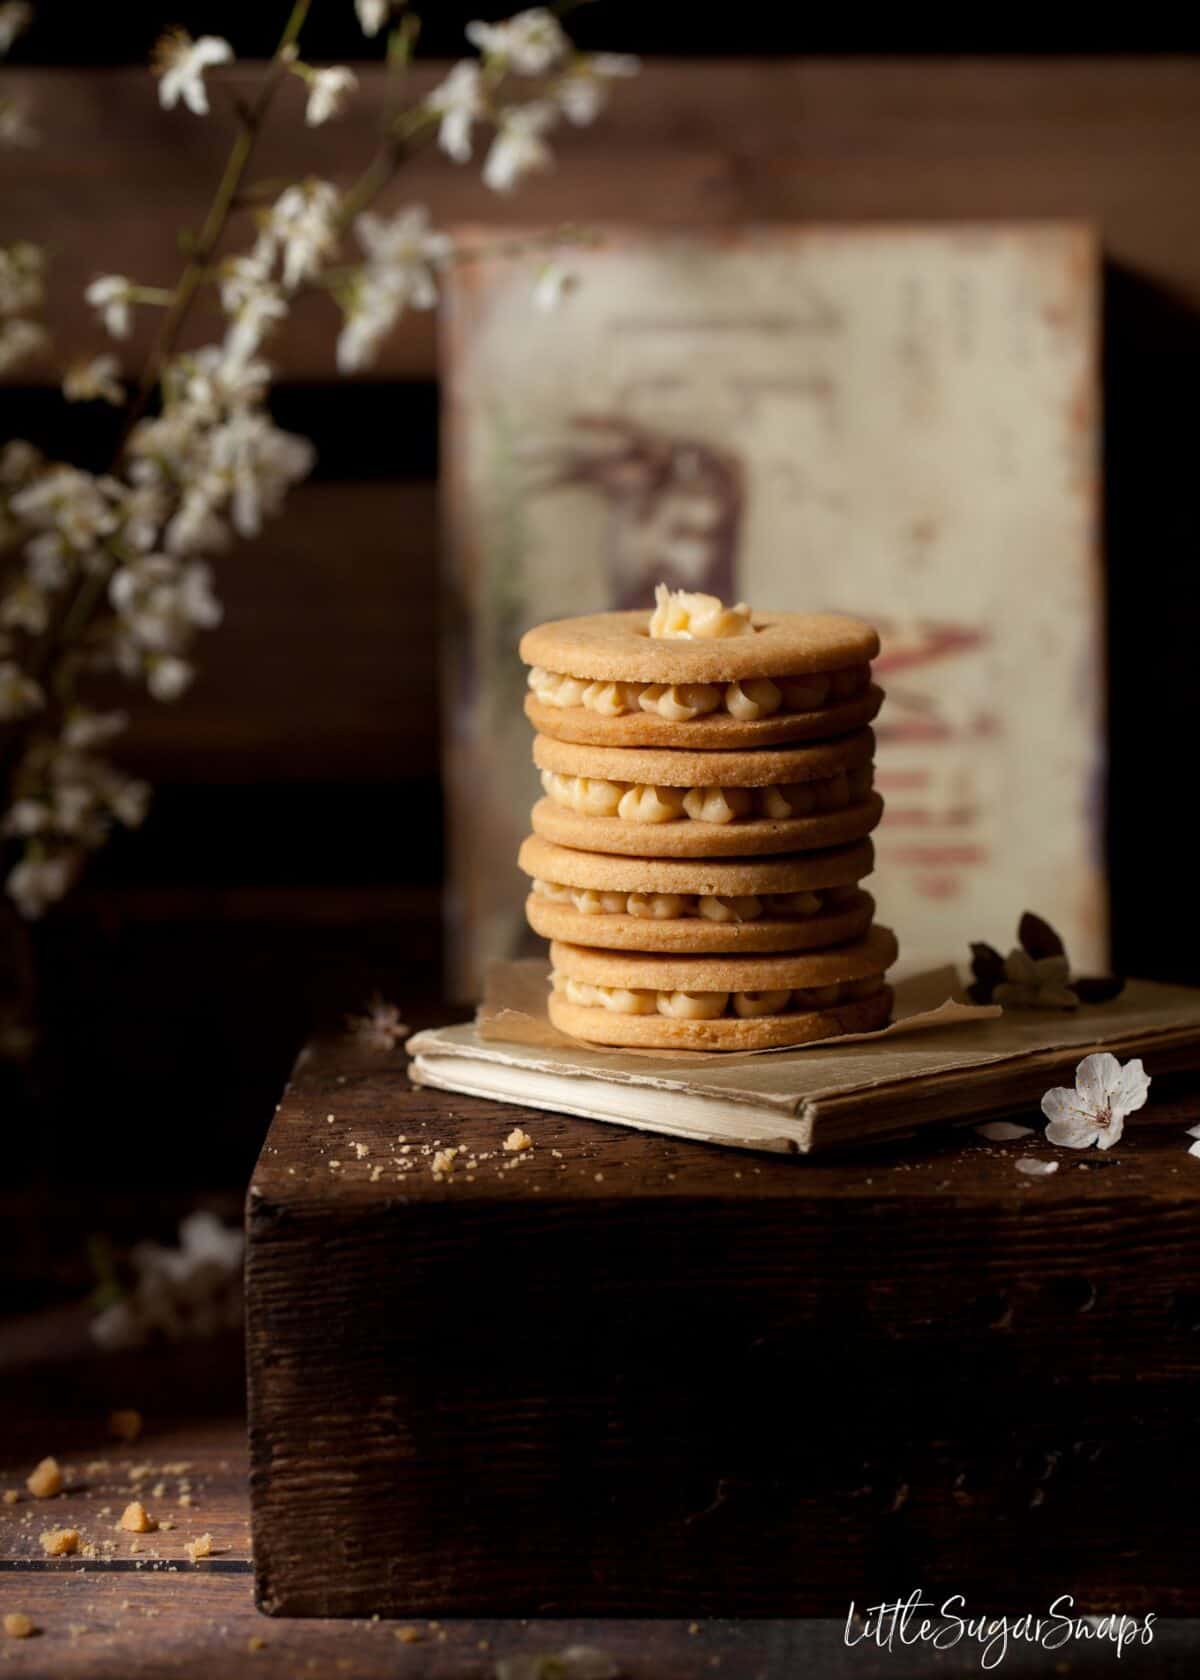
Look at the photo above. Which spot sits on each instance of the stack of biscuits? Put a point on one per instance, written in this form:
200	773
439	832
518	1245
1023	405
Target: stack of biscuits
698	856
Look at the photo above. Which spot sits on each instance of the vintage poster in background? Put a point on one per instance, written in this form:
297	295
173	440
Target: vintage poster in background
900	423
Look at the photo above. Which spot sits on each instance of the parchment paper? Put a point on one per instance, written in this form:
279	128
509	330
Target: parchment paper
513	1011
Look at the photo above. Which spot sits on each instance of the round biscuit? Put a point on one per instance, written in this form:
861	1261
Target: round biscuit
764	1032
718	730
661	767
617	647
872	954
840	866
691	839
690	935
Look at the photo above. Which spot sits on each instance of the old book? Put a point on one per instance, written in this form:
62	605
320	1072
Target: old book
933	1066
896	422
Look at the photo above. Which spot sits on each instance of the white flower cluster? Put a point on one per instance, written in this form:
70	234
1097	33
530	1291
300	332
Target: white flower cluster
109	573
21	296
531	44
179	1293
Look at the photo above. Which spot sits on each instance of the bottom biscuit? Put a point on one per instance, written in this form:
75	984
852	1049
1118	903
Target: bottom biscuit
597	1025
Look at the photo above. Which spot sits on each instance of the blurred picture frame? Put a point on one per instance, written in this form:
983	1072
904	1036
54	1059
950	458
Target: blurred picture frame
901	422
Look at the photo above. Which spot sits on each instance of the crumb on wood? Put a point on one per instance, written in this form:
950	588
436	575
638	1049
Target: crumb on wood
443	1162
125	1425
135	1519
517	1140
45	1480
409	1635
11	1496
59	1542
200	1547
360	1149
17	1625
256	1642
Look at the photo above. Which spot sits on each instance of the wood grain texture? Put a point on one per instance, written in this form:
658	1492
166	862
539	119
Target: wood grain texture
633	1376
1105	140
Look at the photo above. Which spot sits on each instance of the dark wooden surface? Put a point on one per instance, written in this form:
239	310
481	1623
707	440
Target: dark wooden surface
630	1375
152	1613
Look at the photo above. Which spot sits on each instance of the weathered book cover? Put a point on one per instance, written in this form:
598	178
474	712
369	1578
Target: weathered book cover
896	422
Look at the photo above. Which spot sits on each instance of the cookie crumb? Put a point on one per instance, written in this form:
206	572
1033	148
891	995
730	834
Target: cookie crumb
17	1625
517	1140
125	1425
45	1480
256	1642
200	1547
443	1162
135	1519
58	1542
11	1496
409	1635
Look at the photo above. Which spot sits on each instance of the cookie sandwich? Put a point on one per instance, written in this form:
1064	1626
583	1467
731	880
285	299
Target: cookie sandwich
738	1002
698	674
692	905
653	802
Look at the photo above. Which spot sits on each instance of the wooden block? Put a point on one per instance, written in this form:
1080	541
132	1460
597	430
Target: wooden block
617	1374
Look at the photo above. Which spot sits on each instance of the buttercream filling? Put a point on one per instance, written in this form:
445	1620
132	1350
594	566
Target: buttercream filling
748	700
709	1006
592	796
711	907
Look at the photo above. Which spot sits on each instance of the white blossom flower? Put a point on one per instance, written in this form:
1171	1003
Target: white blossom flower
518	149
1035	983
246	273
35	883
328	91
25	607
552	286
372	15
15	18
74	504
404	252
168	676
530	43
110	295
582	92
260	463
381	1028
180	63
19	461
22	278
460	102
84	728
98	379
26	817
191	1291
160	600
258	314
19	339
1094	1112
303	220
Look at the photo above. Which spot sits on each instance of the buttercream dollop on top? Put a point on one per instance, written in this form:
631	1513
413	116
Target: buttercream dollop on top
684	617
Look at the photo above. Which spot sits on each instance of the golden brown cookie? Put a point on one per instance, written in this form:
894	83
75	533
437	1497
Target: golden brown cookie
720	1002
640	904
768	1032
743	839
660	767
617	647
634	726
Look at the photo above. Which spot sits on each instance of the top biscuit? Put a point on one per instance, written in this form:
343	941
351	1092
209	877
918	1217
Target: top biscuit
618	647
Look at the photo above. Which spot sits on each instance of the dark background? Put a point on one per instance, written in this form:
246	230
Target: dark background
292	861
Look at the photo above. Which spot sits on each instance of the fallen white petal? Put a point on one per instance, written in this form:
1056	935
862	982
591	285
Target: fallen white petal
1192	1131
1036	1169
1004	1131
1195	1149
